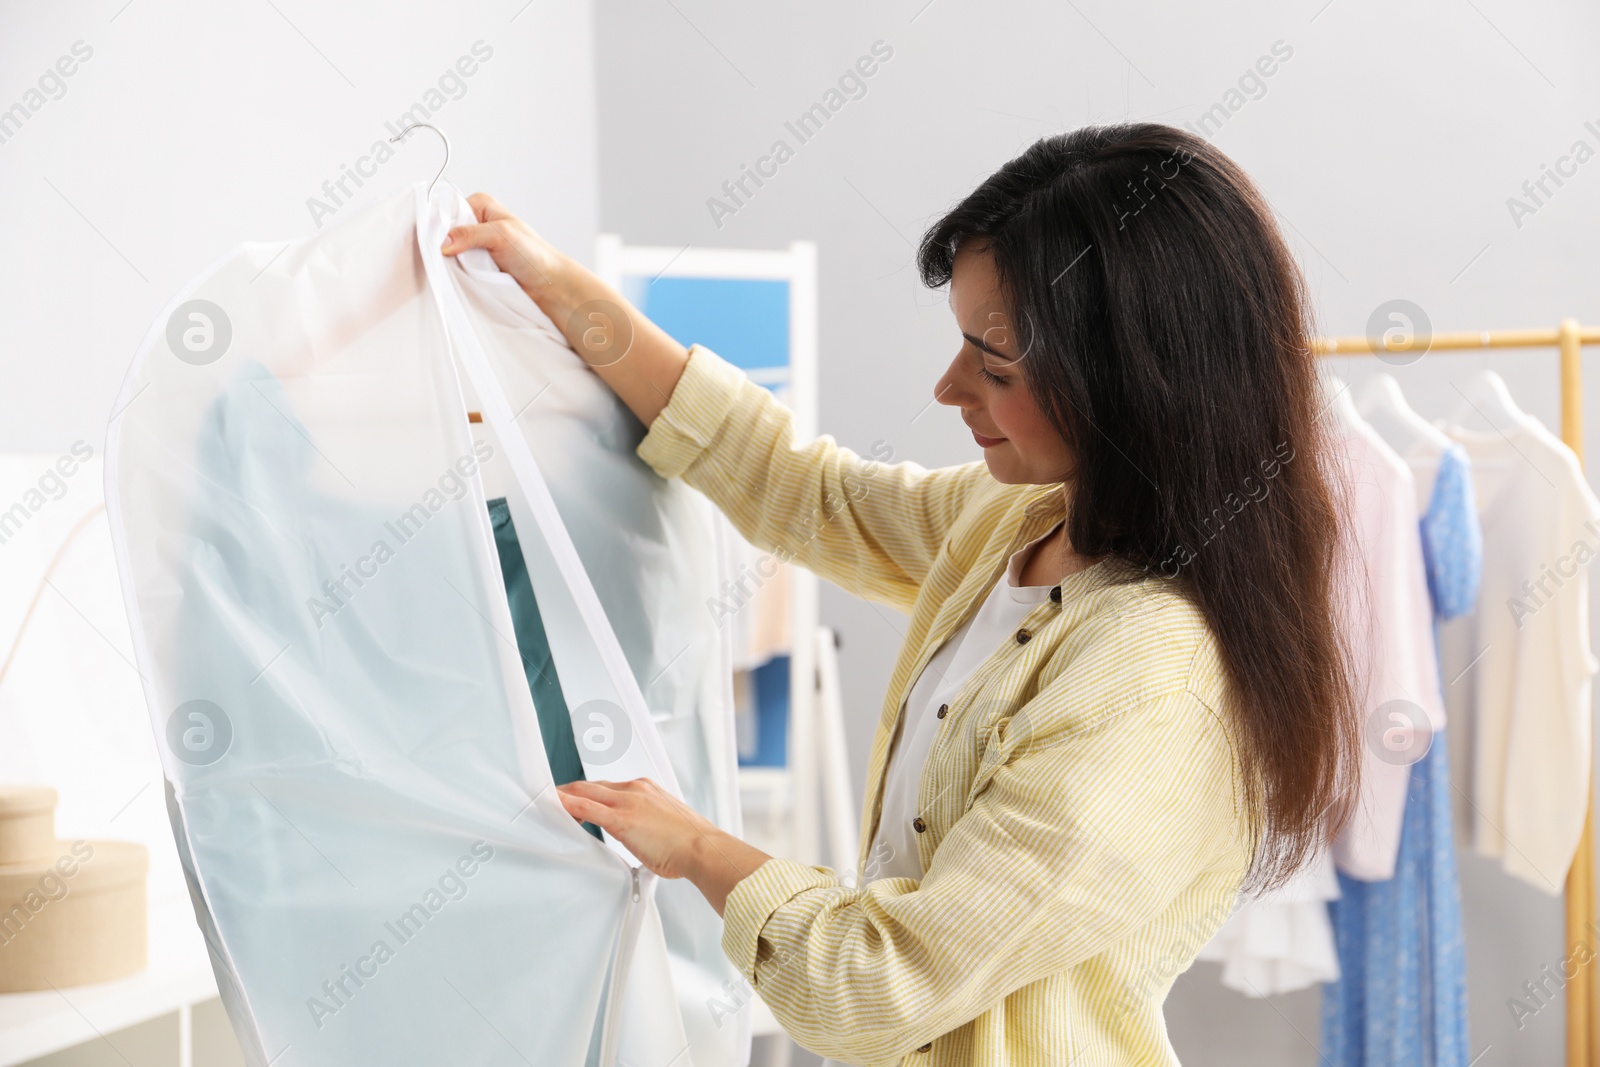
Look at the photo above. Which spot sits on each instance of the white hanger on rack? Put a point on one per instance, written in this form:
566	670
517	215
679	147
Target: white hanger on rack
1336	400
1415	440
1384	407
1485	394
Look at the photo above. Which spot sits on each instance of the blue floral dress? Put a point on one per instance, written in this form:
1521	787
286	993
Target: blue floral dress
1402	996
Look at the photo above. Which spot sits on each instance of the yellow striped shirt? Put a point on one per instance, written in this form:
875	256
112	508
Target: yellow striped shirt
1081	815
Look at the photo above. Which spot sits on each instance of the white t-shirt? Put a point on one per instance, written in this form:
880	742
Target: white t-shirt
894	851
1518	669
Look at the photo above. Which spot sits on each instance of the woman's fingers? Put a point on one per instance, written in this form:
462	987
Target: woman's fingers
516	249
614	806
489	235
591	789
660	831
487	207
493	230
585	809
590	801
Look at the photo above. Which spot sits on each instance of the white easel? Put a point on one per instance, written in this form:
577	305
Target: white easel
817	757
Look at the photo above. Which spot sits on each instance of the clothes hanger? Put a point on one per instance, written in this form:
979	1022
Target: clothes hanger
1336	399
1486	395
472	416
1384	407
442	137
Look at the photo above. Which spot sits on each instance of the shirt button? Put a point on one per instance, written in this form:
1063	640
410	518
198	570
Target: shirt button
1055	594
918	825
942	709
926	1047
1023	637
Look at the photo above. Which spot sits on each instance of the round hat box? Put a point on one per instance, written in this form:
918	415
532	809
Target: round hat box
70	913
27	824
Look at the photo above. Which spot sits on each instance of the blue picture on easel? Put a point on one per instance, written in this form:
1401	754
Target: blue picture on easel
746	322
743	320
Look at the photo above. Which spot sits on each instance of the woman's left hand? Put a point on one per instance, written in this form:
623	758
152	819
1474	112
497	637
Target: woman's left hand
665	834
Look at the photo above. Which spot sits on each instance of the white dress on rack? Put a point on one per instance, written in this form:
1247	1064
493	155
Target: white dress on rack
1280	941
1520	668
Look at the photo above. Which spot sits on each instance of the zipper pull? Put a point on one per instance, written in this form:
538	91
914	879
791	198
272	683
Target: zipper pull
635	871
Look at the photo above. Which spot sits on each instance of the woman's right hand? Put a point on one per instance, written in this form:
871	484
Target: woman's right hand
542	271
634	356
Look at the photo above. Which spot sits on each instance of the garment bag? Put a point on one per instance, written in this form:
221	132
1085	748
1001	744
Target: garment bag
355	775
652	551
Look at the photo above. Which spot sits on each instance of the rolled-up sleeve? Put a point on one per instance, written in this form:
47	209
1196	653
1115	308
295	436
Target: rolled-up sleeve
870	526
1078	839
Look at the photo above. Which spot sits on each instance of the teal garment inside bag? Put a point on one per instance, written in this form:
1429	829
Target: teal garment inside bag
555	722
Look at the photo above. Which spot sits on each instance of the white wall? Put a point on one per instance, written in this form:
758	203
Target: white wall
192	127
1389	143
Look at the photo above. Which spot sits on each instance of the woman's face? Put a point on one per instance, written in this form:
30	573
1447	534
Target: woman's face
986	381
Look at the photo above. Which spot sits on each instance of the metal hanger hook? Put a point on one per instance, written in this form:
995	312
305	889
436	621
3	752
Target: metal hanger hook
442	137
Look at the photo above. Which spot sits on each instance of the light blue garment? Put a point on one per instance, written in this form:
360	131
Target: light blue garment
1403	998
359	770
358	787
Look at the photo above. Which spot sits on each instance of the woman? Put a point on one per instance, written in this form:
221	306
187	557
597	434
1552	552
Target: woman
1122	694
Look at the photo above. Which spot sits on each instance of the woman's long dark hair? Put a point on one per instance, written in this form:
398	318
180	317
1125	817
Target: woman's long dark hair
1165	329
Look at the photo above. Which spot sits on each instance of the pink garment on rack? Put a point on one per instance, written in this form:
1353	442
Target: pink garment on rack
1383	597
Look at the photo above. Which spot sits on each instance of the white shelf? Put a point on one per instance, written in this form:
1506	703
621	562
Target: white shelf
179	976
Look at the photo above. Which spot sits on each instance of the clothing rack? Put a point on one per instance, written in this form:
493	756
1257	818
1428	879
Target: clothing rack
1583	990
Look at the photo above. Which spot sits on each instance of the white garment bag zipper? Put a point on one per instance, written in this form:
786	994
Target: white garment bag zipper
525	470
621	963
